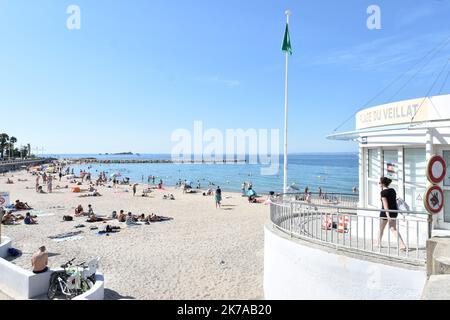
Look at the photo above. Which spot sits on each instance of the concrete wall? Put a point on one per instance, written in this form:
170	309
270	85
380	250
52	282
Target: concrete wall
5	244
299	270
97	292
19	283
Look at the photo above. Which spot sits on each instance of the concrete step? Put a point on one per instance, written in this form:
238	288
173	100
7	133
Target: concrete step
437	288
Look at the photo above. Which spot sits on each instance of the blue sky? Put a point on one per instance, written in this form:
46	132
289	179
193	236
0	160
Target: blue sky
137	70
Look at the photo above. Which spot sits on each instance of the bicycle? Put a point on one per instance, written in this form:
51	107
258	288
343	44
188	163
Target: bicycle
73	280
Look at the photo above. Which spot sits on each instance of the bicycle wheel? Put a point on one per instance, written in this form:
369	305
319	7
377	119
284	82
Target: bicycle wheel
52	289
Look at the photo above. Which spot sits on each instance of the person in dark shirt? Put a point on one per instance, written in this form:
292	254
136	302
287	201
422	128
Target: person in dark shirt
388	202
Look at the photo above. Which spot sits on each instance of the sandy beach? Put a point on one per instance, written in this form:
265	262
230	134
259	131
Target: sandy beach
203	253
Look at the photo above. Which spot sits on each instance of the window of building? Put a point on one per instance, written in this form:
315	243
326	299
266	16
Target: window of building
373	164
390	165
415	177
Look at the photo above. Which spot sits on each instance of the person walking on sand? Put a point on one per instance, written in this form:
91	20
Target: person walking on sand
218	197
38	178
134	189
388	202
50	184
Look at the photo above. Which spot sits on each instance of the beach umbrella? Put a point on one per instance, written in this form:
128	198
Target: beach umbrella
294	186
188	183
117	174
250	193
291	189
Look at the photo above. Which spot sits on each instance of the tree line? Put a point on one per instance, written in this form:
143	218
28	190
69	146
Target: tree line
8	147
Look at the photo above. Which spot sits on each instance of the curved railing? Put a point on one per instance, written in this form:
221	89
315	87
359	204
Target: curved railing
342	224
324	198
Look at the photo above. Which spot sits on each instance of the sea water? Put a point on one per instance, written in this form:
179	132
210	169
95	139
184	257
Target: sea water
332	172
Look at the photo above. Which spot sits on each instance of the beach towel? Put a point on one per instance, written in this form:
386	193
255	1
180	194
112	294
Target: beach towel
66	235
68	239
57	207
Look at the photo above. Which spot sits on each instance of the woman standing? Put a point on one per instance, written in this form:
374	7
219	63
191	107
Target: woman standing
218	197
389	202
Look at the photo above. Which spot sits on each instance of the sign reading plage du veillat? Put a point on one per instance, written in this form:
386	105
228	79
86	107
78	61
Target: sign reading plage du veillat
393	113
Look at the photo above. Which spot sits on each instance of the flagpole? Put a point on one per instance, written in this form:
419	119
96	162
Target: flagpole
288	13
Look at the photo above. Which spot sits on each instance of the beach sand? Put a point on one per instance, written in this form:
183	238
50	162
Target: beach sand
204	253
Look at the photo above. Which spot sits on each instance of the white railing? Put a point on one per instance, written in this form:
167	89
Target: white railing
354	229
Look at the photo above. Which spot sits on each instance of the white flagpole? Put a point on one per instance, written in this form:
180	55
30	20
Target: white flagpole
288	13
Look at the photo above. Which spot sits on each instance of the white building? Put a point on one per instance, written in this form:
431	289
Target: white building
396	140
324	249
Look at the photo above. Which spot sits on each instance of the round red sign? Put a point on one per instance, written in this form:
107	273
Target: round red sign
2	200
436	169
434	199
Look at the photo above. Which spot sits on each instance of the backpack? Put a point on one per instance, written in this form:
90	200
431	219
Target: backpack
67	218
13	252
402	205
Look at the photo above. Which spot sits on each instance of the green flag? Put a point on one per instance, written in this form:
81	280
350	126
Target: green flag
287	41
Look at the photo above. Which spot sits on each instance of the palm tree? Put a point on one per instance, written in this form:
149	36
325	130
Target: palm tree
23	152
4	138
12	140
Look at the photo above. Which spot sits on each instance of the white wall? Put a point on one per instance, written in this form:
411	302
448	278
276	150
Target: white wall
296	271
19	283
97	292
5	244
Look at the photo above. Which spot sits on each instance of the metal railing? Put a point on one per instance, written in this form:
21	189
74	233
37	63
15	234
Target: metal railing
325	198
354	229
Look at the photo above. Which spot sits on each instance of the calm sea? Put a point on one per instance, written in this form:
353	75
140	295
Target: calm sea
332	172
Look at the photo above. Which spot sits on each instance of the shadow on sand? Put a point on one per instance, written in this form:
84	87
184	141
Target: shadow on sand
114	295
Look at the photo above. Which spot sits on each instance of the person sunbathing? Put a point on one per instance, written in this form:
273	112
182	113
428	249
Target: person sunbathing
155	218
91	194
121	217
8	219
208	192
29	219
19	217
131	220
94	218
21	205
40	190
79	211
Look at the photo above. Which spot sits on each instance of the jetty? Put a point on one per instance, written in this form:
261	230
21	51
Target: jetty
143	161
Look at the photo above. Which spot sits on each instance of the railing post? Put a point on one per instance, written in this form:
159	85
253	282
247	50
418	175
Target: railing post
291	208
430	226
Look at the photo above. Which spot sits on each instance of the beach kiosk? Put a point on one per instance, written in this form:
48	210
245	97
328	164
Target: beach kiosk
406	142
333	248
